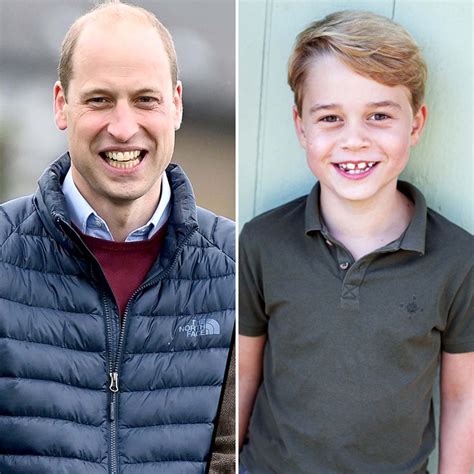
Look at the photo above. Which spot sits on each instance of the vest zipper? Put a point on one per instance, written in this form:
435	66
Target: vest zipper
113	388
115	366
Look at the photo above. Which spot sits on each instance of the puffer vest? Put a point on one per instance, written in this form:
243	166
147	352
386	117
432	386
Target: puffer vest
82	393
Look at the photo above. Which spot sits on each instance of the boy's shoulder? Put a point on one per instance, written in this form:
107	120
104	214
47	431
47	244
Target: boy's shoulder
445	236
282	219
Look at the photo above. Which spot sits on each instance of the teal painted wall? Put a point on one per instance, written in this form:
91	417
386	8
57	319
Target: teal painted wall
272	166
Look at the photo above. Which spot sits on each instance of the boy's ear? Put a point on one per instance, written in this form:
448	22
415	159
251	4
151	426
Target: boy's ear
60	105
419	121
300	133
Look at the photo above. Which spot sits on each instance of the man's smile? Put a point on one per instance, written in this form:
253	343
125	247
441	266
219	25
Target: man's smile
123	159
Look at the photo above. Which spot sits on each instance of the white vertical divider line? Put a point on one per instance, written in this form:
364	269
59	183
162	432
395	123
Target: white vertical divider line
262	102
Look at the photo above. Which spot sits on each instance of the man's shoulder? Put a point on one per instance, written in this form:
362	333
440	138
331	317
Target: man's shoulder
217	230
13	214
279	221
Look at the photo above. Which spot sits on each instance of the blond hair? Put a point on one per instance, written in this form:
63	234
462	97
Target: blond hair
118	11
371	45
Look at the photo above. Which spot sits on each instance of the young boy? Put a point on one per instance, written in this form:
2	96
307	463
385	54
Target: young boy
352	296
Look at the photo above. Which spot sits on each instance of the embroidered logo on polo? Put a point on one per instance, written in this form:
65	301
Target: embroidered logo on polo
411	307
200	327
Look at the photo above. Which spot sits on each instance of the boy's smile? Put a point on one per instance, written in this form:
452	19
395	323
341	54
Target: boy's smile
357	133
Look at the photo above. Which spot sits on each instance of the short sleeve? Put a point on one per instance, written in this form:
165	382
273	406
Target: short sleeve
458	336
252	318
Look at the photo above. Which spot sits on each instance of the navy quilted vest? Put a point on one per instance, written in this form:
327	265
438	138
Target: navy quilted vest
78	392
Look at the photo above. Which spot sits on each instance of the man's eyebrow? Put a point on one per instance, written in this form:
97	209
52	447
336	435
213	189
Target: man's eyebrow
385	103
105	91
94	91
147	90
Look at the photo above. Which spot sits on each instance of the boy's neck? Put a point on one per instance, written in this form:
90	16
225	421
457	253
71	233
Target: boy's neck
365	226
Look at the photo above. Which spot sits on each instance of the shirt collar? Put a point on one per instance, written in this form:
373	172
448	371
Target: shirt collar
414	236
90	223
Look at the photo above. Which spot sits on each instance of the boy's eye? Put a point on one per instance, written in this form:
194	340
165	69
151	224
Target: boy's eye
378	117
330	119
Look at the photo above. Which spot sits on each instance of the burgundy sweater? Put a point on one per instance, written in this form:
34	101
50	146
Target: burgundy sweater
125	264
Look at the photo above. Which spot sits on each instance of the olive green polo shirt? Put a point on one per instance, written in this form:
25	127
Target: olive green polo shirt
353	347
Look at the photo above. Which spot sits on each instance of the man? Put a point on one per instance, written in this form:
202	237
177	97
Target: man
116	291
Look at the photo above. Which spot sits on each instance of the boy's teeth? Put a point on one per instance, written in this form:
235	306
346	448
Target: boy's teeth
122	156
356	168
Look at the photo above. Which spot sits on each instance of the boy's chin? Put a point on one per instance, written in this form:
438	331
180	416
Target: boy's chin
356	194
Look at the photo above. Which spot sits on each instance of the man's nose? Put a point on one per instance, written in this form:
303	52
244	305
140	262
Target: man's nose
122	124
355	137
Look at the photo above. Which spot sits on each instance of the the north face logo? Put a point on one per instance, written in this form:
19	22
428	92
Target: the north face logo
201	327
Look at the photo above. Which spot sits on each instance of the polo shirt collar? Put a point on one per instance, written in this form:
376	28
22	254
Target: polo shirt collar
312	216
412	239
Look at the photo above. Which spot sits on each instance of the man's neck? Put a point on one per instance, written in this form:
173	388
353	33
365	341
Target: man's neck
365	226
124	218
121	216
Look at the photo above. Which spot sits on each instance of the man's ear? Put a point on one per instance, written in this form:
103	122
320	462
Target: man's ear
60	105
419	121
299	128
178	105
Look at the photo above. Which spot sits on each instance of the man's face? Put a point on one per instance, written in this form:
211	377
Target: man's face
121	113
357	133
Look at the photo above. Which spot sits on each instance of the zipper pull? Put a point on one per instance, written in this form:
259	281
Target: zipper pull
114	387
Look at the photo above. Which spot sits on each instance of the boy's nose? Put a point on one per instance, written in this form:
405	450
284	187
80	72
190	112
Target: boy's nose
355	137
122	125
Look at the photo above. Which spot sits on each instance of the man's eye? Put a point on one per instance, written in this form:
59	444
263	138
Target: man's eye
97	100
378	117
330	119
148	100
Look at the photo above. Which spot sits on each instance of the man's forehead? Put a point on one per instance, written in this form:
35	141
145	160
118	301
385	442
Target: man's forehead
103	27
107	43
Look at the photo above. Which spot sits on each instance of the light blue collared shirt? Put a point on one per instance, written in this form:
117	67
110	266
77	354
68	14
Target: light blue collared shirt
90	223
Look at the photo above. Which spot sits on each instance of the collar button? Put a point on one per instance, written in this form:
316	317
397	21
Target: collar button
344	265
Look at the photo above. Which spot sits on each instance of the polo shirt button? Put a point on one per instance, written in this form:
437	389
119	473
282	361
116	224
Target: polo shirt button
329	243
344	266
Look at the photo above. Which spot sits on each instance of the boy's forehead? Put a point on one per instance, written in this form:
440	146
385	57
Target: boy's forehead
329	82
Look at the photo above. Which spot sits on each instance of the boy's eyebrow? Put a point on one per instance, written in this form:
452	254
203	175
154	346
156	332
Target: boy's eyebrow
385	103
317	107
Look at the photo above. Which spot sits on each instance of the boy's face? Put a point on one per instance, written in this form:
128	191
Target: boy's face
357	133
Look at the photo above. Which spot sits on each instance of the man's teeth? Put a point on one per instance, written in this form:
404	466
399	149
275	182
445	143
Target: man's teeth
122	156
356	168
125	159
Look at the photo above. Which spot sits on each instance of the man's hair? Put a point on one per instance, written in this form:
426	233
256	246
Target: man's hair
115	10
371	45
